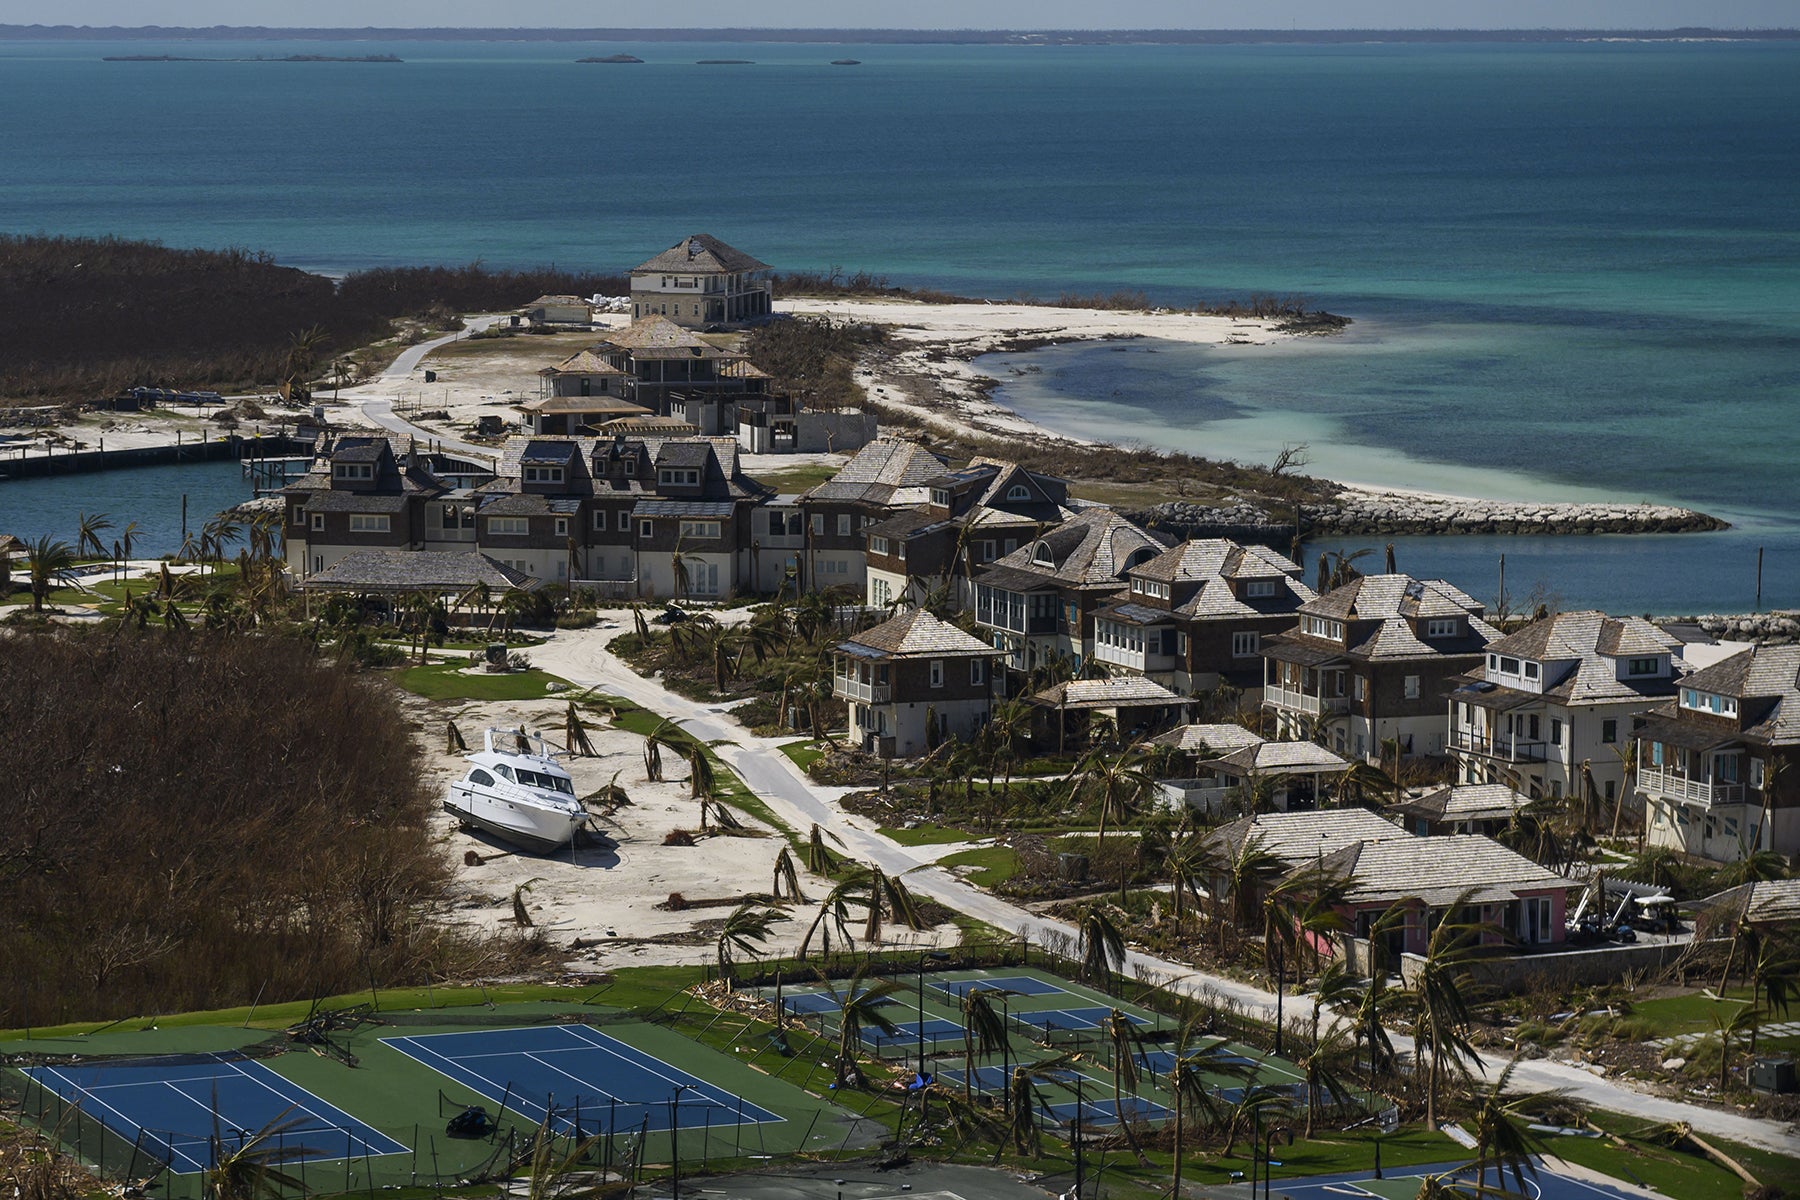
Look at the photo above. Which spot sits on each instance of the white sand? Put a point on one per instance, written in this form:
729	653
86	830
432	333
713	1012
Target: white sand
602	902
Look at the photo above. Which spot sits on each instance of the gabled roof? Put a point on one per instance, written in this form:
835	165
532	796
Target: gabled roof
658	337
1465	802
1437	870
1211	563
1284	758
584	362
1593	642
1089	550
1395	602
583	404
1215	739
415	570
700	254
916	634
878	471
1762	673
1302	837
1762	902
1120	691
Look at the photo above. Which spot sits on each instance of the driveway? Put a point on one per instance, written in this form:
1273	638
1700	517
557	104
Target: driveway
379	410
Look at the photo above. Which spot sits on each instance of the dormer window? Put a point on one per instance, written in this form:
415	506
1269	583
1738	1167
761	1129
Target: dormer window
1708	702
679	477
355	472
1643	666
1444	627
543	474
1018	491
1532	670
1258	589
878	545
1040	554
940	497
1325	628
1509	666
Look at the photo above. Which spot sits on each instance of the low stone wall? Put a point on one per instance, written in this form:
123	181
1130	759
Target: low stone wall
1243	523
1362	513
1513	973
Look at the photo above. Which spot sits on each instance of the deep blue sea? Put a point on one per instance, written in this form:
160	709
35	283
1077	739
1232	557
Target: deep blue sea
1574	269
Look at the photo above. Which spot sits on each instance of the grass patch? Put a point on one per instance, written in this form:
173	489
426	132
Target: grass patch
1673	1015
1691	1176
803	753
926	834
448	681
993	865
792	480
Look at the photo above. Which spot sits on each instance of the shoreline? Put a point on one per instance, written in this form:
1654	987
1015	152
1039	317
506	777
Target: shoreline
937	345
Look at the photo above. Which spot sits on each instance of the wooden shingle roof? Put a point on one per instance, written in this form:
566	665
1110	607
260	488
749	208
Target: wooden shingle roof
700	254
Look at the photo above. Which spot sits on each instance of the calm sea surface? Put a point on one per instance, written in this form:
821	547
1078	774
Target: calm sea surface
1575	270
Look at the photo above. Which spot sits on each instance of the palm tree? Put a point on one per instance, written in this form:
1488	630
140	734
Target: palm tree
88	531
1121	782
1025	1100
1190	863
984	1030
1361	783
1188	1087
1742	1023
1248	870
129	534
1296	913
1501	1141
1317	1065
1440	1007
253	1170
1122	1038
1100	945
745	930
859	1006
1259	1104
787	879
47	563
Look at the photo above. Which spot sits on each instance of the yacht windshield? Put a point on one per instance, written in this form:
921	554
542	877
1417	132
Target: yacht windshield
504	771
550	783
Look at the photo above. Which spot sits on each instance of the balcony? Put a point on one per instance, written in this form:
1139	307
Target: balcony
1297	701
1676	786
849	687
1498	746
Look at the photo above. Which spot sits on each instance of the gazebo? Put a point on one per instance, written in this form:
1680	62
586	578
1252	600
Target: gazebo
1134	703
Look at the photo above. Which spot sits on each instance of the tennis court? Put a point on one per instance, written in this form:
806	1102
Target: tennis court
907	1033
1402	1183
582	1080
185	1111
1100	1113
1055	1020
1018	985
812	1004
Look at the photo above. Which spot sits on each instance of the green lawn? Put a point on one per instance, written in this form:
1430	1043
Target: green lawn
994	865
804	753
448	681
797	479
927	834
1686	1014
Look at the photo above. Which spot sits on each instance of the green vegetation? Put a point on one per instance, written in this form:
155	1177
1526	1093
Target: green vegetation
994	866
454	681
923	834
804	754
794	480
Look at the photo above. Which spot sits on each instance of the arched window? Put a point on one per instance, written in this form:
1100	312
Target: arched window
1018	491
1040	554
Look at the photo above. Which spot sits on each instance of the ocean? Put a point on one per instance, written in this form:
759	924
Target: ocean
1574	269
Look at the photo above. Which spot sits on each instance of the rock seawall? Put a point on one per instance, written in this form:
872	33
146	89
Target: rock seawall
1373	514
1751	627
1359	512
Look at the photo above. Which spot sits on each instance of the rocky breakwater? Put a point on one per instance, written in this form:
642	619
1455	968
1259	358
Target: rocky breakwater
1241	522
1383	513
1751	627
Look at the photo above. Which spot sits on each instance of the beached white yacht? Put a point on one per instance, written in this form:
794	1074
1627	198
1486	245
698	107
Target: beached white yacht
517	791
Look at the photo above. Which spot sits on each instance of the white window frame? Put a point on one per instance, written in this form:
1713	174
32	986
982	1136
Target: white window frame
843	525
599	520
977	672
1440	627
1258	589
371	523
1410	687
937	672
562	527
353	472
646	529
544	474
1245	644
708	530
318	522
509	526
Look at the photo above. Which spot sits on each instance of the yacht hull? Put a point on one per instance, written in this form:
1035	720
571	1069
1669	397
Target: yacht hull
542	831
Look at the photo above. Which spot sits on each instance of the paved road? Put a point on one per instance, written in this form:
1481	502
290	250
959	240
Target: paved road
582	658
379	410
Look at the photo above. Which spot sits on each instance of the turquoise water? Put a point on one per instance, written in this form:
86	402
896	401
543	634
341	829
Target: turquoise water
151	496
1575	269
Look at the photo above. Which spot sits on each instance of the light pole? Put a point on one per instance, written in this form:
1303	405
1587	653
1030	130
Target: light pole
940	956
674	1141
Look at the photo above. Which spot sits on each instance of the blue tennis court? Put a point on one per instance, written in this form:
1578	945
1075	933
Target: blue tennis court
1162	1062
1071	1018
1102	1113
1018	985
172	1110
809	1004
583	1080
993	1079
936	1029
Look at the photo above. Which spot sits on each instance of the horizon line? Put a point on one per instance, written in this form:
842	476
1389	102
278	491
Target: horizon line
911	30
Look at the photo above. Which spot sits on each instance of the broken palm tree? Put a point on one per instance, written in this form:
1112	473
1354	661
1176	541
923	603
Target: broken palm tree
575	734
